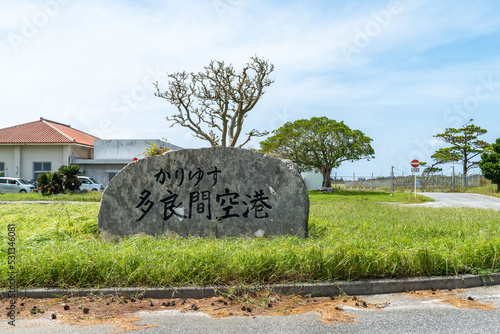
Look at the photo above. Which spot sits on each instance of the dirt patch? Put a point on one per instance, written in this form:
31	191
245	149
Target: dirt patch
329	308
80	311
450	297
118	311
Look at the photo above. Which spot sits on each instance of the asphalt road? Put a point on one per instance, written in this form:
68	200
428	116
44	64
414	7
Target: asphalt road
403	314
461	200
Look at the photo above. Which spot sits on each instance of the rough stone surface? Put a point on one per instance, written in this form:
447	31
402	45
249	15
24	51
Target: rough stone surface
217	191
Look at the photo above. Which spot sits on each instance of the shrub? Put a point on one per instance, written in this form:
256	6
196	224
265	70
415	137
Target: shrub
70	179
50	183
154	149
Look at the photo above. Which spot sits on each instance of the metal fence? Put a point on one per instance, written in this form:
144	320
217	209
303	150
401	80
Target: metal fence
407	182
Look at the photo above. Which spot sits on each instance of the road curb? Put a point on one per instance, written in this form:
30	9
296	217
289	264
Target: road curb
362	287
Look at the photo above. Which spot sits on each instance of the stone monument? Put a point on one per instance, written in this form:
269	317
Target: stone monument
216	191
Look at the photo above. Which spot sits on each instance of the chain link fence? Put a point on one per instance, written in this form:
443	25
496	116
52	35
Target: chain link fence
407	182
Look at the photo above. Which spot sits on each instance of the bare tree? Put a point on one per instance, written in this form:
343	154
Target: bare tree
214	103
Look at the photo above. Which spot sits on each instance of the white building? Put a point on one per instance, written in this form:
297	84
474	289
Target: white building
111	155
29	149
313	180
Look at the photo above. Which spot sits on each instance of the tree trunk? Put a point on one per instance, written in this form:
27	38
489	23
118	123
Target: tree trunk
327	179
465	171
498	187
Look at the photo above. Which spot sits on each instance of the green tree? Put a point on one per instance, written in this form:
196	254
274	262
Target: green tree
431	170
69	177
214	103
50	183
440	157
490	164
318	143
464	146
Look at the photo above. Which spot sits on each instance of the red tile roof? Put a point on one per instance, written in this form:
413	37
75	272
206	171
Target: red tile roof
44	132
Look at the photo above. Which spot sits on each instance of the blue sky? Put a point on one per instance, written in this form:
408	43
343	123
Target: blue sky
400	71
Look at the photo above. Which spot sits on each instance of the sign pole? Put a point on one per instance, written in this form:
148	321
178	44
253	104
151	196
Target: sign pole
415	163
415	189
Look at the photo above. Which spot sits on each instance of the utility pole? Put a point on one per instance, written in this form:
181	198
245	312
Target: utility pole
452	178
415	183
392	178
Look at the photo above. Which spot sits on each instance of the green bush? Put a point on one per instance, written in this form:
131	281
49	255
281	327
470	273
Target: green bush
70	181
50	183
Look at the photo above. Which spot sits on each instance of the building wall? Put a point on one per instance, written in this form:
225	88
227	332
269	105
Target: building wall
111	155
101	173
40	153
125	148
19	159
7	157
78	151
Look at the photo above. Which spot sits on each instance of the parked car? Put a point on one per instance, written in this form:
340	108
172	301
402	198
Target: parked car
15	185
33	182
90	184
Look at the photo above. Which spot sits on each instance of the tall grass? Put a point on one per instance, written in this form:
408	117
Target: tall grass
490	190
59	245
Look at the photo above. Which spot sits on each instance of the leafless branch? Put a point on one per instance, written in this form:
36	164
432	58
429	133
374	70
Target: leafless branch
218	99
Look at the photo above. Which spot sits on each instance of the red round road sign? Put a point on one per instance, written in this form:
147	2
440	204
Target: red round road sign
415	163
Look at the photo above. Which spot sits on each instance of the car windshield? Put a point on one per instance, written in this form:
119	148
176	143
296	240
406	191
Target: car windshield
22	181
93	181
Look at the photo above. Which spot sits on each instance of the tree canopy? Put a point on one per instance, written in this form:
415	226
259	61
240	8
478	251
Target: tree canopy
318	143
214	103
464	146
432	169
490	164
440	157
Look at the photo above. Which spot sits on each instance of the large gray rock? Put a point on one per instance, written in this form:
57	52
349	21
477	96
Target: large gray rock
217	191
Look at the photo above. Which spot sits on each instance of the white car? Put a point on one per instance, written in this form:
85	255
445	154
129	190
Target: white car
90	184
15	185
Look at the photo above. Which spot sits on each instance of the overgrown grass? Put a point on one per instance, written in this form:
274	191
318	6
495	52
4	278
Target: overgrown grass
91	196
490	190
365	196
59	245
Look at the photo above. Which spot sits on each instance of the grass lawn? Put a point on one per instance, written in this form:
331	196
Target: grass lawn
59	245
91	196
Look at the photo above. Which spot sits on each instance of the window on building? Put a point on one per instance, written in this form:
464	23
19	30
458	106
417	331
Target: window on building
2	168
41	167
